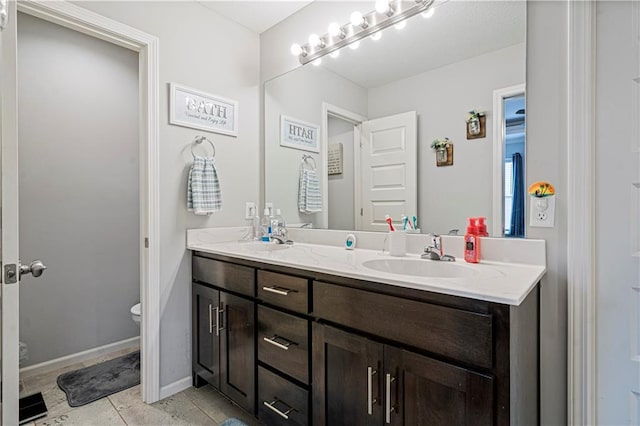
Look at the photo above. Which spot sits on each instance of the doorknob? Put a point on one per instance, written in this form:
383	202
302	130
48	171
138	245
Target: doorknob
35	268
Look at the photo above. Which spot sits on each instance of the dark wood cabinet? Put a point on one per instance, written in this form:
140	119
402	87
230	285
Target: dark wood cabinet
224	331
357	381
299	347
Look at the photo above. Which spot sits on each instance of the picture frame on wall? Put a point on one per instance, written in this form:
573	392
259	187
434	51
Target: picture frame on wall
299	134
193	108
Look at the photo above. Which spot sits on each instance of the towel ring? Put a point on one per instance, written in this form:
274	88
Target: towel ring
198	140
306	157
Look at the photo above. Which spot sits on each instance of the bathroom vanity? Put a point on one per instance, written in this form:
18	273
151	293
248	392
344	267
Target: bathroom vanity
306	345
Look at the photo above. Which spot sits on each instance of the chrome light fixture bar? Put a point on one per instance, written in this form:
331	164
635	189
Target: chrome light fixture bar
350	33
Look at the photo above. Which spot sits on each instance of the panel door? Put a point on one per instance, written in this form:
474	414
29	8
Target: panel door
420	391
346	378
389	171
9	219
206	348
237	350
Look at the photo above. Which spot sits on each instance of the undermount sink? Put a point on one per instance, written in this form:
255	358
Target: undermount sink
421	268
264	247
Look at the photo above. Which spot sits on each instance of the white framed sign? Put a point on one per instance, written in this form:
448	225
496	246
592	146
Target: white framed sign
199	110
298	134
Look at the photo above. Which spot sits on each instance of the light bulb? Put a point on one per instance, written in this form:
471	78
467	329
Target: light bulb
376	36
400	25
296	49
357	19
429	13
334	29
382	6
354	45
335	54
315	40
316	62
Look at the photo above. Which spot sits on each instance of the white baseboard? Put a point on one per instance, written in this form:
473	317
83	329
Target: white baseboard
175	387
65	361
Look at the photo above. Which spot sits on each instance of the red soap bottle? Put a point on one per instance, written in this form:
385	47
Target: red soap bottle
472	242
482	227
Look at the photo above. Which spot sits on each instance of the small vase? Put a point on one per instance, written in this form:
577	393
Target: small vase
441	155
474	126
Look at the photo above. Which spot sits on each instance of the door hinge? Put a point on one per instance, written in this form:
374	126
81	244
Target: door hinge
10	273
146	242
361	211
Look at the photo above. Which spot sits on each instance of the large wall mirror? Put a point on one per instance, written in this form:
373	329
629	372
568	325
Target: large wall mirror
365	122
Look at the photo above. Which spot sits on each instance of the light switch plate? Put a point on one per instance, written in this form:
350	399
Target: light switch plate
249	210
542	212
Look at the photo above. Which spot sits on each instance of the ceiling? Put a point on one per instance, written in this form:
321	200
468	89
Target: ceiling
258	16
457	31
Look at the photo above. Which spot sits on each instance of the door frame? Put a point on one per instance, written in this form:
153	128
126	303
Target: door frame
147	46
499	136
329	110
581	283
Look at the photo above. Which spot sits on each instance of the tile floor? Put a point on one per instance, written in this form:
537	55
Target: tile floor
204	406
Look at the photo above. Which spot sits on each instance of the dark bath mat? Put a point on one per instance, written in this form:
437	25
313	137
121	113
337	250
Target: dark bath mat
92	383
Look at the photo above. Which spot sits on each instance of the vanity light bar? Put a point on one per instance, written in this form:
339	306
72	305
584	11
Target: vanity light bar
372	22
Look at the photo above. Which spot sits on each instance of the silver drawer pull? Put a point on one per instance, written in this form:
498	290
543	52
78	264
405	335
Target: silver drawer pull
389	408
210	320
271	406
370	399
279	290
284	345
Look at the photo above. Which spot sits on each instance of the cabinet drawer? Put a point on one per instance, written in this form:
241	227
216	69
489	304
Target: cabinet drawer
284	291
224	275
281	402
283	342
457	334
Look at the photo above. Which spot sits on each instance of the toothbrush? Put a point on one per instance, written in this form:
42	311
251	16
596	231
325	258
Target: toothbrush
388	219
405	223
415	222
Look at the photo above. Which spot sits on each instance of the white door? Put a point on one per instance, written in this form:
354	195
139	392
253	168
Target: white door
388	170
617	213
9	218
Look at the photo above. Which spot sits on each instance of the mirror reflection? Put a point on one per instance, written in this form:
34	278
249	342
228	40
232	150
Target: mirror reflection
426	121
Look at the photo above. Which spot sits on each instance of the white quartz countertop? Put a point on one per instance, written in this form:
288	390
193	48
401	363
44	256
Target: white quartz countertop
493	281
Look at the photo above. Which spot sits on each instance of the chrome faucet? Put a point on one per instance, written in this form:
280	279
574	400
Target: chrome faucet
281	240
433	250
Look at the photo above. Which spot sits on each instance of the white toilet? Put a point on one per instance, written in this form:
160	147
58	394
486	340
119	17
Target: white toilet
135	313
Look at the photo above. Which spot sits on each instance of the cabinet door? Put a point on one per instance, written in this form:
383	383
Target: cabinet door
423	391
206	352
237	350
346	378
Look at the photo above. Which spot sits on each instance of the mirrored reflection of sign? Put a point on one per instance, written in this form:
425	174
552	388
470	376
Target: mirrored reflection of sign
298	134
334	159
199	110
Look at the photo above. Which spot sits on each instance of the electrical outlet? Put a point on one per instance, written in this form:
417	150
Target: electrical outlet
542	212
249	210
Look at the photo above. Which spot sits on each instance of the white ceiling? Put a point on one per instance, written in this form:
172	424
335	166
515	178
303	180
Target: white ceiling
457	31
258	16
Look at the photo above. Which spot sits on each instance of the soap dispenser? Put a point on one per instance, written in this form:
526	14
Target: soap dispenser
472	242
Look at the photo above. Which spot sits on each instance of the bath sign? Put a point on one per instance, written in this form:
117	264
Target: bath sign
199	110
297	134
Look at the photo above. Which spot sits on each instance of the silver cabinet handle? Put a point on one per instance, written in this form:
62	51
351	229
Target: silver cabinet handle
273	341
217	309
278	290
370	399
271	406
388	408
210	320
221	312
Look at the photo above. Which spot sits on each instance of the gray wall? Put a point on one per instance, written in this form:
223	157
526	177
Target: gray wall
78	127
547	38
341	186
201	49
447	196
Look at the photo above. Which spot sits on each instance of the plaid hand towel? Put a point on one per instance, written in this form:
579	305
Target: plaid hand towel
309	197
203	192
